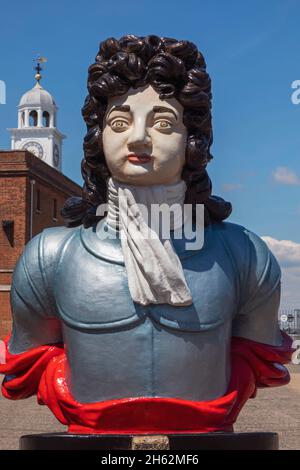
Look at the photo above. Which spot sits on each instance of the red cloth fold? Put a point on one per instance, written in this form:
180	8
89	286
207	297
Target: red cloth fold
23	371
42	370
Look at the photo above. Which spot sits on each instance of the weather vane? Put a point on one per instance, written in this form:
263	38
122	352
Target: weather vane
39	60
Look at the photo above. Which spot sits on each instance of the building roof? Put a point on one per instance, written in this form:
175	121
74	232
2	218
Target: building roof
37	96
15	163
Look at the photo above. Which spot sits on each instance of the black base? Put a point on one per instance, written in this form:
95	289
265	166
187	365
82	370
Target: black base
211	441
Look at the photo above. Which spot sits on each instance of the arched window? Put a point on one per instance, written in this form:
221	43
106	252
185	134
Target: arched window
33	117
46	119
38	200
54	209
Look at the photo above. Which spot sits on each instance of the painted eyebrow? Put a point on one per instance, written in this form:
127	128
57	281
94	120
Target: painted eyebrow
124	108
163	109
156	109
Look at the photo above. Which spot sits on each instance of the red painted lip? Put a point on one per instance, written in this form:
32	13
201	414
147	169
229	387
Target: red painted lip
139	158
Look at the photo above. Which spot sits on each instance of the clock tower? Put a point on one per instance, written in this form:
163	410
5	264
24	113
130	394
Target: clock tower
37	131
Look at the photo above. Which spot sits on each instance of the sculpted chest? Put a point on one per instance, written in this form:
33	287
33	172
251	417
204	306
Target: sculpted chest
171	350
91	288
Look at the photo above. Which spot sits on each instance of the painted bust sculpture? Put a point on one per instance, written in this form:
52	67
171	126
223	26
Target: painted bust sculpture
122	334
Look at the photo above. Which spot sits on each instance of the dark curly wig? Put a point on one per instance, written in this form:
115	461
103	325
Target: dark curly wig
174	69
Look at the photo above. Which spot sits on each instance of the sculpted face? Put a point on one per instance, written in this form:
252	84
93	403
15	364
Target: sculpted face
144	138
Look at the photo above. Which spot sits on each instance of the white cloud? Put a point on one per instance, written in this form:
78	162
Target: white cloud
283	175
287	253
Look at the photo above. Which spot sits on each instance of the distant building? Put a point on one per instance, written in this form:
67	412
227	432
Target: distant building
32	187
289	321
37	129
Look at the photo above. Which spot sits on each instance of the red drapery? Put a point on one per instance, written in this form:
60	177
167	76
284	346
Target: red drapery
42	371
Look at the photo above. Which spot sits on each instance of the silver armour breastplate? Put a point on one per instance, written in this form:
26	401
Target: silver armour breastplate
117	349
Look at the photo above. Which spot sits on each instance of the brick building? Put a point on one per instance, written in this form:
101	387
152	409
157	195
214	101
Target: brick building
32	187
31	196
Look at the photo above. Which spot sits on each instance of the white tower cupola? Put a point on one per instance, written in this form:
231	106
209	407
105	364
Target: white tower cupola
37	131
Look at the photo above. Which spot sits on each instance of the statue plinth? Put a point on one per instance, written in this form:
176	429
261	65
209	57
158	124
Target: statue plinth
207	441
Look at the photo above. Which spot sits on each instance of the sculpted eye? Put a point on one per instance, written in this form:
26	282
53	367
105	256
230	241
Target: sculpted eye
163	125
119	125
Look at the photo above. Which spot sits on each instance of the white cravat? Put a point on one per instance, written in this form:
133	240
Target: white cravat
155	273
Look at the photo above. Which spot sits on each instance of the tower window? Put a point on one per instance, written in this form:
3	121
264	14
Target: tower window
33	118
46	119
54	211
38	200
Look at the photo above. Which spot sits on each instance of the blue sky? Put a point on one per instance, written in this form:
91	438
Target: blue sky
253	56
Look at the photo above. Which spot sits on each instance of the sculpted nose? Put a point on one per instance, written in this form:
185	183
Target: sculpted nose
139	135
